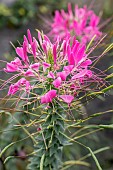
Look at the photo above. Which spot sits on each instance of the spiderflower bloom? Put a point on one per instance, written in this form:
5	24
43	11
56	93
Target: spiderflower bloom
61	69
54	74
83	23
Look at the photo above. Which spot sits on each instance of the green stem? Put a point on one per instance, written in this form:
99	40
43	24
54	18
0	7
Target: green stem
50	142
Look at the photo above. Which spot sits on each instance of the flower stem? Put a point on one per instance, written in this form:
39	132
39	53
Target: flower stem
50	142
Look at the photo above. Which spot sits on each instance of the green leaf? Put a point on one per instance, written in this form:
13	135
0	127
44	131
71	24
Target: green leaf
106	126
42	162
8	158
2	152
95	159
54	117
95	152
53	149
62	139
90	42
57	129
48	133
73	162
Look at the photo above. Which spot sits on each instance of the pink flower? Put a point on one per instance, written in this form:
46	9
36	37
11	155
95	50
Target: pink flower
48	97
67	98
13	65
13	89
19	86
75	22
23	82
63	67
57	82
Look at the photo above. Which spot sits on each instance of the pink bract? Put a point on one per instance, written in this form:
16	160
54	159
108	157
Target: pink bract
57	82
67	98
48	97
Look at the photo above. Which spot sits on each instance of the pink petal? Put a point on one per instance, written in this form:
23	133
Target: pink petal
52	93
44	47
13	89
62	75
17	62
64	47
80	55
29	36
51	75
22	81
25	39
45	66
35	66
47	98
71	59
34	47
57	82
86	63
39	37
67	98
19	51
89	73
54	53
68	68
70	10
25	52
75	47
29	73
80	74
10	67
46	39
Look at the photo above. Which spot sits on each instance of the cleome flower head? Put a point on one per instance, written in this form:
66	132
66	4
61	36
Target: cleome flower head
61	70
83	23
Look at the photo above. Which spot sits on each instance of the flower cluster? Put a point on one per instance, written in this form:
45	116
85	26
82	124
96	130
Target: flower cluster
83	23
61	69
